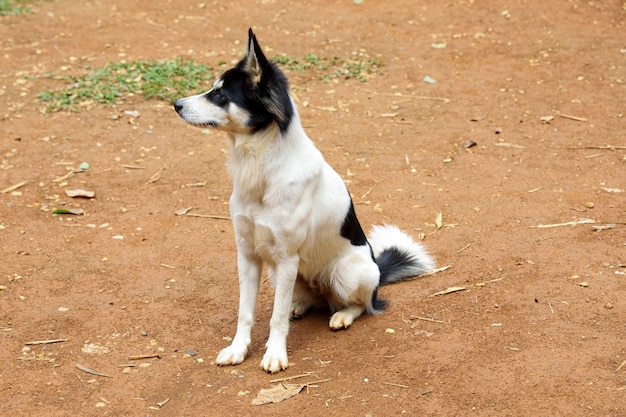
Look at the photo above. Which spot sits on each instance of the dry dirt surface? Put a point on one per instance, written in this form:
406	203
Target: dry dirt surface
529	318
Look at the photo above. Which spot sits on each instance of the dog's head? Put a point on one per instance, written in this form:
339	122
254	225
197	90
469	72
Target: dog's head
245	99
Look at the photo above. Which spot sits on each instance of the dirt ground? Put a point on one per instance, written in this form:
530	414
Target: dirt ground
538	324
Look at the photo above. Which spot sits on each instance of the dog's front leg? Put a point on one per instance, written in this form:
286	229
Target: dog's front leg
249	270
285	273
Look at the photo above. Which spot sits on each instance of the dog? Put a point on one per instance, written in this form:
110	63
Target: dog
292	212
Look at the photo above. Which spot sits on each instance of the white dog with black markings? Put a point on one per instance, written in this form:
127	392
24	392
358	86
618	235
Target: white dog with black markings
292	211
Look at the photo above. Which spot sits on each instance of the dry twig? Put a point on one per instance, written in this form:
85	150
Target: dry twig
208	216
427	319
14	187
91	371
568	116
572	223
46	342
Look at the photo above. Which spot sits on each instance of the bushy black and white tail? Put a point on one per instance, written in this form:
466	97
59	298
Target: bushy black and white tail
397	255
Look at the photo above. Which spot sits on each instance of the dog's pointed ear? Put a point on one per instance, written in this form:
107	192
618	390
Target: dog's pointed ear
255	60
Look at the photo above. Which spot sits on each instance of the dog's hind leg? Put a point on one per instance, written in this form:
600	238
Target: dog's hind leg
285	273
304	299
249	270
354	282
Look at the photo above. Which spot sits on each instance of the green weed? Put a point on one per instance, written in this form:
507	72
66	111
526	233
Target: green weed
166	80
331	68
14	7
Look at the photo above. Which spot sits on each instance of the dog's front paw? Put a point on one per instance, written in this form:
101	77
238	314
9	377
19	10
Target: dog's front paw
273	362
232	355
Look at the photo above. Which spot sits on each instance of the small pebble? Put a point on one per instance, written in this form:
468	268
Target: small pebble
608	305
468	144
191	352
144	333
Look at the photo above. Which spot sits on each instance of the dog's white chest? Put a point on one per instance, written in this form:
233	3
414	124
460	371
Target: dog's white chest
257	238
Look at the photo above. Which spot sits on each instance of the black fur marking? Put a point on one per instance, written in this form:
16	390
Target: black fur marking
391	261
378	303
351	228
218	97
266	98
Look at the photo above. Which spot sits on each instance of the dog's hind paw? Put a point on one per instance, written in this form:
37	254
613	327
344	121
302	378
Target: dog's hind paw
344	318
299	309
232	355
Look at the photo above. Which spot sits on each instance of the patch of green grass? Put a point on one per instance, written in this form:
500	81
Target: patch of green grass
331	68
165	80
14	7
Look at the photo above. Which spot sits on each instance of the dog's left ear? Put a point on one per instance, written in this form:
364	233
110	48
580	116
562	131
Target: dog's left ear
255	60
271	83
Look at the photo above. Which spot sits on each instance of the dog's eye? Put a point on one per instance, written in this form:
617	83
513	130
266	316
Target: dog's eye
218	98
223	100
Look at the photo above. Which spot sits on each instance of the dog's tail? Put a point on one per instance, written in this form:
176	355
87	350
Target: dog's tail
397	255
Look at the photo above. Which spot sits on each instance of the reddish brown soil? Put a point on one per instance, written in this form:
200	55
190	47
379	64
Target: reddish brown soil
539	327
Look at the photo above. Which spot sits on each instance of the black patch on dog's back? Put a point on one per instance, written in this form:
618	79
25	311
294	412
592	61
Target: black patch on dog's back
351	228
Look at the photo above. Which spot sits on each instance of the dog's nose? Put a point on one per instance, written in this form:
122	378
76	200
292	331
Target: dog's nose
178	106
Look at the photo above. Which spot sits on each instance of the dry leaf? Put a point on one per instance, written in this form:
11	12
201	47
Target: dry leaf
183	211
439	220
80	194
277	393
75	211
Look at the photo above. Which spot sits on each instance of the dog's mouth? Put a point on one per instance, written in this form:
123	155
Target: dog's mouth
206	124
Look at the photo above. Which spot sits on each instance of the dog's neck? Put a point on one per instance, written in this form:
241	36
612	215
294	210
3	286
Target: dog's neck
271	158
